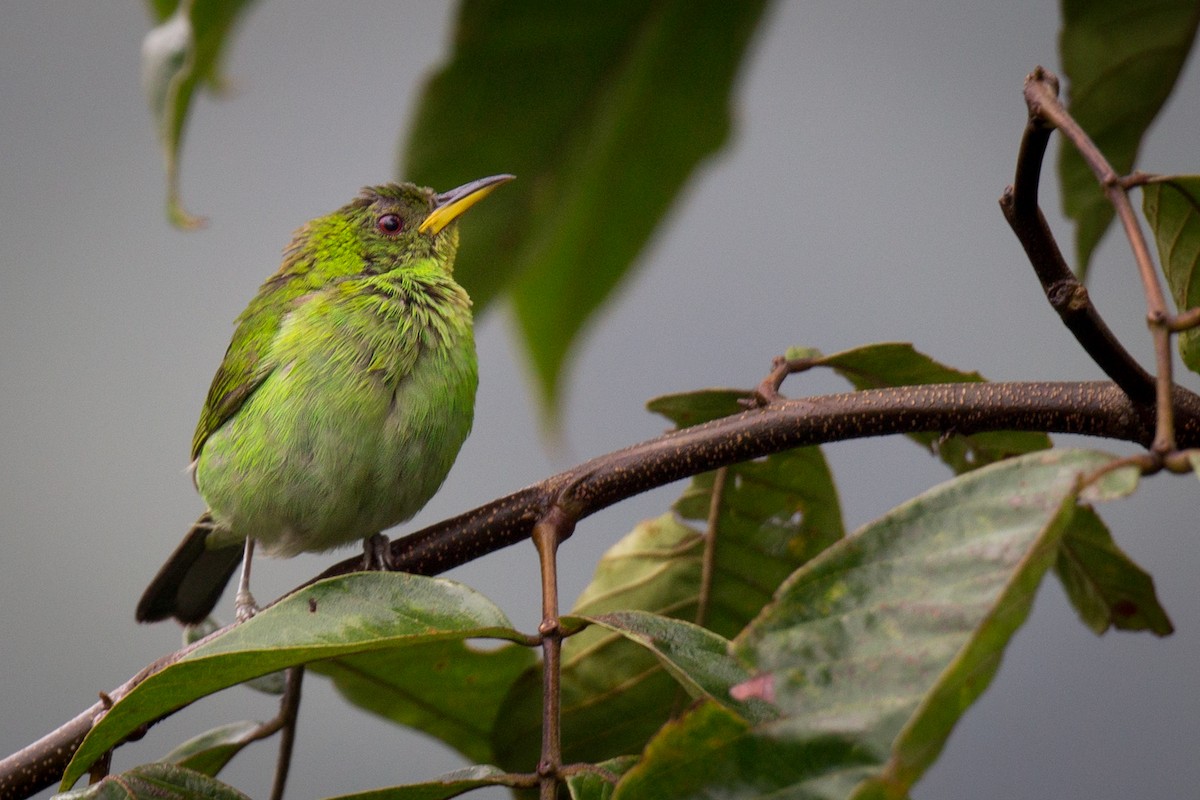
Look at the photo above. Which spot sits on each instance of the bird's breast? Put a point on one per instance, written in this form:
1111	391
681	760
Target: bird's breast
354	429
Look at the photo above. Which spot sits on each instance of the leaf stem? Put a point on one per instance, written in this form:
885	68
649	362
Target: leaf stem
716	501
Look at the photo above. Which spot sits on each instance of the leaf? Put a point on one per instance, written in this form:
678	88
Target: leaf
591	786
874	649
698	659
212	750
1121	62
357	613
1172	208
273	684
712	752
182	52
775	514
602	142
1105	586
156	781
891	364
694	408
449	785
447	689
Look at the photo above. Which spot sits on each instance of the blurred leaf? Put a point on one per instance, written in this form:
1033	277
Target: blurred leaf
603	111
1105	586
351	614
890	364
1172	208
590	786
212	750
874	649
156	781
182	52
1121	62
775	513
449	785
447	689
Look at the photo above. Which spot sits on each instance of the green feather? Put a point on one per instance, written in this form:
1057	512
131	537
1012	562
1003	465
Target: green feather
344	396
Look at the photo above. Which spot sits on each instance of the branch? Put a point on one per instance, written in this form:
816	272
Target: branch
1066	294
1041	95
1091	408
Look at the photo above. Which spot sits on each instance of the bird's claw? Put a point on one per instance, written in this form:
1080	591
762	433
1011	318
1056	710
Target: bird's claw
377	554
244	606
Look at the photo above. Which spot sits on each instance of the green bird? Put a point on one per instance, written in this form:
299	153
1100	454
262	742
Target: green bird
342	400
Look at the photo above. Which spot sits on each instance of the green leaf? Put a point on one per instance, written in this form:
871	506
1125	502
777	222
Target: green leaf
775	514
891	364
1105	586
697	658
351	614
1121	62
693	408
591	786
273	684
712	752
182	52
603	111
156	781
449	785
1172	207
447	689
211	751
874	649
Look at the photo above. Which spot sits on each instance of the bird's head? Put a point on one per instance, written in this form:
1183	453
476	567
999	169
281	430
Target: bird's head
399	223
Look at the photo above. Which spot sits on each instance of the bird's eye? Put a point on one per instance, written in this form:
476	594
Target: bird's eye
390	224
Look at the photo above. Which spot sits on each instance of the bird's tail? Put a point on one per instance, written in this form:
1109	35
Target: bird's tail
190	583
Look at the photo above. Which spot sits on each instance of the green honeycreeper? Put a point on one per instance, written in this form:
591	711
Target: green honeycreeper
342	400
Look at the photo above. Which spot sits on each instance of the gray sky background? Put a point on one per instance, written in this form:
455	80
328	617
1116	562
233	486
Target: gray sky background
856	204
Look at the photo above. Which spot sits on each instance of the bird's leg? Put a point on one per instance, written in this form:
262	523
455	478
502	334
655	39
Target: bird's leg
244	606
377	554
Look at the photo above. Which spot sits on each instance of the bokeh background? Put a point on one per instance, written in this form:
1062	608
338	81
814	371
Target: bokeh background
856	203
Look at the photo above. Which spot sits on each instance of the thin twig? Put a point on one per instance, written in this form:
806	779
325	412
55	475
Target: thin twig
554	527
767	391
1066	294
1041	94
289	709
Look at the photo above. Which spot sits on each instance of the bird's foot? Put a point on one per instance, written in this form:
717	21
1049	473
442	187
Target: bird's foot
244	606
377	554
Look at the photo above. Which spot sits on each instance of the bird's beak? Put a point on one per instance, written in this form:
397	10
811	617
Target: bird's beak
448	206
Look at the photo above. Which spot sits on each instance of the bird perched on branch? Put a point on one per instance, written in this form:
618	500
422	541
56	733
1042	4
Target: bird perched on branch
342	400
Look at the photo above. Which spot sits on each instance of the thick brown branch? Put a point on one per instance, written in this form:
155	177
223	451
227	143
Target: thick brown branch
1093	408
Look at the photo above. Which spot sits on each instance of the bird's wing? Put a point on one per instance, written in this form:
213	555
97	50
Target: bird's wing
248	361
